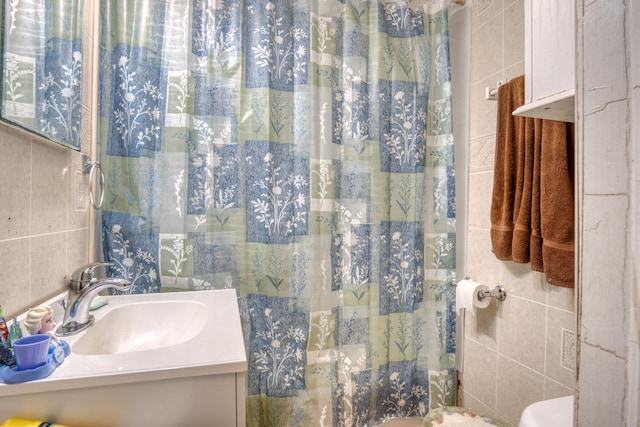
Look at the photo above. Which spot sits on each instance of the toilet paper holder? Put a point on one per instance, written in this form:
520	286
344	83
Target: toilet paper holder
498	292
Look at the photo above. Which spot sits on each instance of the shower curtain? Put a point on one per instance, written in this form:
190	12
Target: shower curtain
42	67
301	152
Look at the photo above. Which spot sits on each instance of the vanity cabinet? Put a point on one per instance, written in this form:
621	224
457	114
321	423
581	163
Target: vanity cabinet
549	60
188	366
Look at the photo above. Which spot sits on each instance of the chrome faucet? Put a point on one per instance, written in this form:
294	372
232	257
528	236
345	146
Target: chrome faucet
83	288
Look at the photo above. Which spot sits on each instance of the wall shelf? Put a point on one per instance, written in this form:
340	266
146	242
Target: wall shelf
559	107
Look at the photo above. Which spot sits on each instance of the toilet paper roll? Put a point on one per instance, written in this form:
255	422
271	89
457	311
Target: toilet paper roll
467	295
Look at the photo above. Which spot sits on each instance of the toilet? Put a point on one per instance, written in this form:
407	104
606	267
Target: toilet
548	413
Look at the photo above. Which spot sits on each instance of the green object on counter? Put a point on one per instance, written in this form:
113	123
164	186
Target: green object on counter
97	303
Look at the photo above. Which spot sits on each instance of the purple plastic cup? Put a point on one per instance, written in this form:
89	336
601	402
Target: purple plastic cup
31	352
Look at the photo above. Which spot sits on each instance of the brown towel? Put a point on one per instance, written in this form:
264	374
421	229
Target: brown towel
508	146
535	249
524	203
532	204
557	202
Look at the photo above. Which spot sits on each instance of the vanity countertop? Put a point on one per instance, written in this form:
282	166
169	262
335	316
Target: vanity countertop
216	348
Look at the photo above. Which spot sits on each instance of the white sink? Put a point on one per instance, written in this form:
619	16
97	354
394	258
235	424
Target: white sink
143	326
181	350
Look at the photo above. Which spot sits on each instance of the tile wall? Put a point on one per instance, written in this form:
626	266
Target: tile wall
607	101
521	350
43	225
44	211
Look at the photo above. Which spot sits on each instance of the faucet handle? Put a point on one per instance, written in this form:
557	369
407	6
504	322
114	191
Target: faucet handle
84	274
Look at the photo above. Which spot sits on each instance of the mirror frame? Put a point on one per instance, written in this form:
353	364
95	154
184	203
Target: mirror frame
84	140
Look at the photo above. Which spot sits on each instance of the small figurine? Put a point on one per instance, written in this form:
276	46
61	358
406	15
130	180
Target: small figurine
40	320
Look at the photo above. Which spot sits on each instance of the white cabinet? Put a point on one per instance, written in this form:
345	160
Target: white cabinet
549	60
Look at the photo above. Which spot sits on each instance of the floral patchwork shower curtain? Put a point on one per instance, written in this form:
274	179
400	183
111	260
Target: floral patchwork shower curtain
301	152
42	67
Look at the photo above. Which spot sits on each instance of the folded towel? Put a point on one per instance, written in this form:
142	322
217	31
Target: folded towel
535	241
509	141
532	207
557	202
524	202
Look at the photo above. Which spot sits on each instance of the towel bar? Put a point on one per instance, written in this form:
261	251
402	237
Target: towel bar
90	168
491	94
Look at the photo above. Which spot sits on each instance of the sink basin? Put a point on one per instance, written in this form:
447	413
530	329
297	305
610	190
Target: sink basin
143	326
181	350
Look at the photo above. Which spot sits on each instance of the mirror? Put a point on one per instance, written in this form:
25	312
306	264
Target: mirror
42	68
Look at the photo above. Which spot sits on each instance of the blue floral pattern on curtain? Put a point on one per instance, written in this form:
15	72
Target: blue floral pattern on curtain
42	76
301	153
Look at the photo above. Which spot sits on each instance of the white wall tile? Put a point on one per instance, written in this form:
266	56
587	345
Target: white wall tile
603	266
520	281
77	249
482	153
48	266
15	276
606	152
34	254
600	388
604	56
15	176
479	204
553	389
562	298
485	11
513	71
513	36
518	387
607	379
469	401
483	112
78	209
485	58
49	188
482	326
482	265
521	335
561	347
481	363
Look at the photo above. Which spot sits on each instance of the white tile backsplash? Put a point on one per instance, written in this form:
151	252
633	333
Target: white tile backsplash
15	177
43	238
